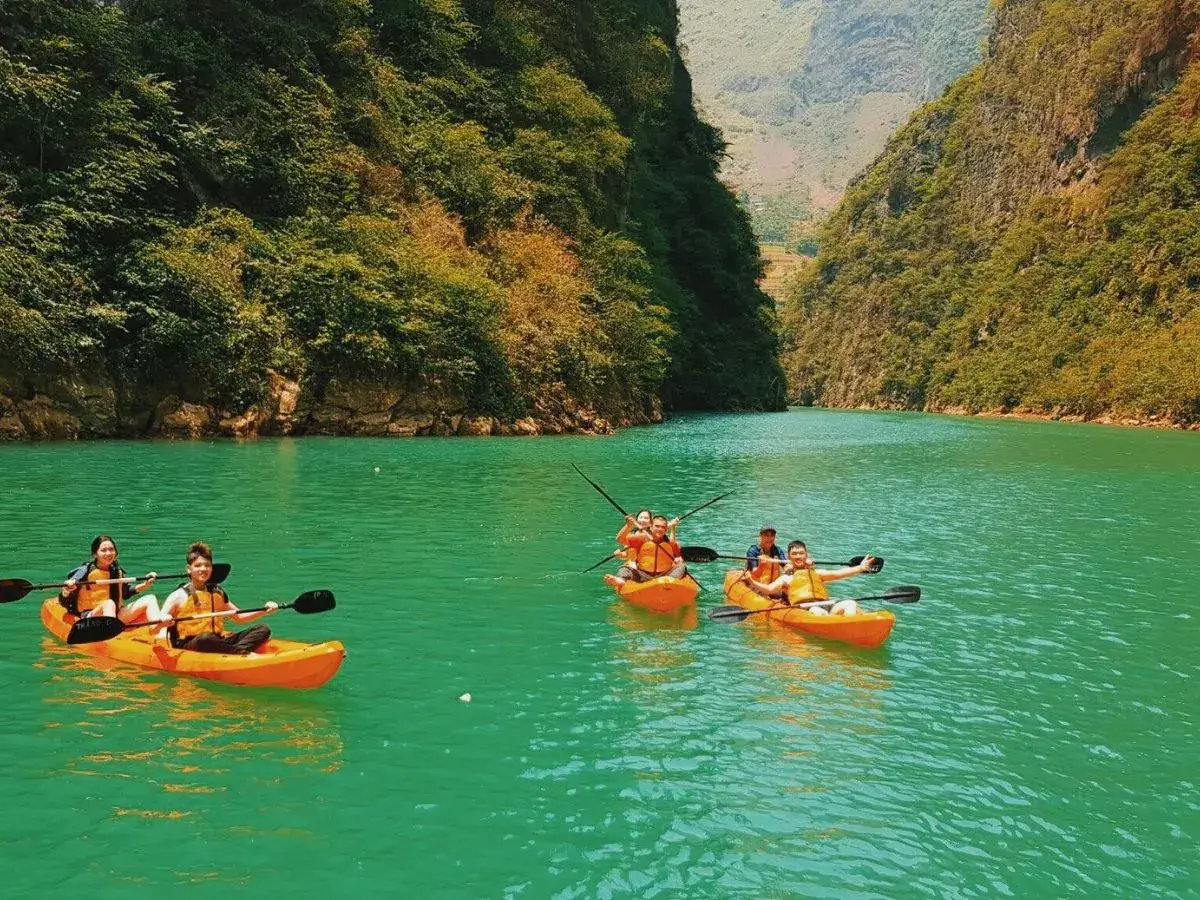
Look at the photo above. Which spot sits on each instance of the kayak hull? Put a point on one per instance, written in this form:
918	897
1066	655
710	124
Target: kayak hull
278	663
663	595
869	629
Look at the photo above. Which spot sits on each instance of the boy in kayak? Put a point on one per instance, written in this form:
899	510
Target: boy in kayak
198	597
806	583
656	555
760	558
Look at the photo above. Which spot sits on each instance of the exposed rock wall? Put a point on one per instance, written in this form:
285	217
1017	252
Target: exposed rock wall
75	410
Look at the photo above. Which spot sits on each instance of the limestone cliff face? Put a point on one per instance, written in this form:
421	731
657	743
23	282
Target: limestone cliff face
1026	243
74	410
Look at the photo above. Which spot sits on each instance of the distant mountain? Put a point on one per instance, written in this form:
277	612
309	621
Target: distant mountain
808	91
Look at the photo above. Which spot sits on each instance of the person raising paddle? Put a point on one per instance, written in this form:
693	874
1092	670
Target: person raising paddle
198	597
657	555
635	525
640	525
82	597
806	583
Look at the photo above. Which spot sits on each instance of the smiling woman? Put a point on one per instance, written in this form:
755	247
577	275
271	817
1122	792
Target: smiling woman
100	587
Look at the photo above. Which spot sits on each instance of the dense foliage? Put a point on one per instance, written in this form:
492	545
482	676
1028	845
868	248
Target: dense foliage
487	198
1029	241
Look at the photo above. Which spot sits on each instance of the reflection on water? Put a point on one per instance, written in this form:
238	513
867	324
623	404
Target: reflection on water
653	648
633	618
801	662
185	736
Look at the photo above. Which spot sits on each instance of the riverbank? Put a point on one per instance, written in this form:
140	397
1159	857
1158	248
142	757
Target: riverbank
1033	415
82	411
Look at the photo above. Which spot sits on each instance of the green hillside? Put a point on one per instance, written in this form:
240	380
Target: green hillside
1030	241
486	207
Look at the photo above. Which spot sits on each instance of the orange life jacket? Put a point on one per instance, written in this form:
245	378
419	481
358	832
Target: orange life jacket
631	554
199	602
90	595
768	568
806	585
656	559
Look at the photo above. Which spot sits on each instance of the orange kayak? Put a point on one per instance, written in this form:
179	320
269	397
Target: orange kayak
278	663
662	595
869	629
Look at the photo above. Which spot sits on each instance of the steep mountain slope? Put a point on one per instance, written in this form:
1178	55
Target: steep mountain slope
1029	241
807	92
341	215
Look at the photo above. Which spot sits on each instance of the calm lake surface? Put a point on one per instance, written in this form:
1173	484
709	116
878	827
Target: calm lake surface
1029	730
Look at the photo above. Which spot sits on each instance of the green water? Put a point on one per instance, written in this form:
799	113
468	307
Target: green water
1029	730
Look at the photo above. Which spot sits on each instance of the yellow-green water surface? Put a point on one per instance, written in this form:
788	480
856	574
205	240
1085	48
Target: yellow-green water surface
1030	729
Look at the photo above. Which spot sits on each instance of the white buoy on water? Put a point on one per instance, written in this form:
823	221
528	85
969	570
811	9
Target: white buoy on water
465	698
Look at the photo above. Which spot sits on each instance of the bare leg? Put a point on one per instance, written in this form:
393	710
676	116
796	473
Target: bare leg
144	609
107	608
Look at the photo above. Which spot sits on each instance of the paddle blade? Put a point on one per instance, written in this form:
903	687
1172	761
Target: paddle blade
97	628
903	593
699	554
14	589
876	566
728	614
220	571
313	602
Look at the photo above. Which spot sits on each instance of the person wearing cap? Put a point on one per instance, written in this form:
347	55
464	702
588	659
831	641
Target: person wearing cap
804	583
760	559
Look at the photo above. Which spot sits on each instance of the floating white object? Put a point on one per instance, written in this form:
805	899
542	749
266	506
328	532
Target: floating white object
465	698
377	470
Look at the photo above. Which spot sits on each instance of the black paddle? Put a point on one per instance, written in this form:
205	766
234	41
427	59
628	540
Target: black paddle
103	628
708	554
904	593
612	555
12	589
703	505
603	494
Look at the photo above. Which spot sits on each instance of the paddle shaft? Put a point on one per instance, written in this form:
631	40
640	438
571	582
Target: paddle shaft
603	493
704	505
612	555
128	579
780	562
212	615
829	601
9	585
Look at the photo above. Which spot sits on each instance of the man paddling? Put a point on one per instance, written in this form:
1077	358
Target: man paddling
198	597
806	583
656	555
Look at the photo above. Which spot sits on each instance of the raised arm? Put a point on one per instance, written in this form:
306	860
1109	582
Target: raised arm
630	524
848	571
